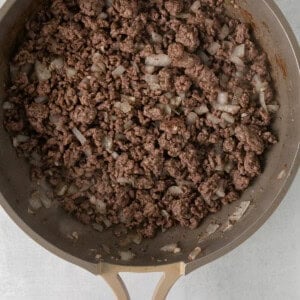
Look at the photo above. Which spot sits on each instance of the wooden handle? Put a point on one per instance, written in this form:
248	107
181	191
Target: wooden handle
172	272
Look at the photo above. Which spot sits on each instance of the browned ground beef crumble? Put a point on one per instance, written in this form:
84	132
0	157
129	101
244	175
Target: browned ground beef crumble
146	113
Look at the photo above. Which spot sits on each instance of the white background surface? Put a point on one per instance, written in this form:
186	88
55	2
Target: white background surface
265	267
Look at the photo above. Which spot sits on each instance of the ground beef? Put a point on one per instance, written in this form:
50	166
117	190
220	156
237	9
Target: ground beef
148	146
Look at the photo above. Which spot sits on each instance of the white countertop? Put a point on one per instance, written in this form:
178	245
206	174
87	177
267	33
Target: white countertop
265	267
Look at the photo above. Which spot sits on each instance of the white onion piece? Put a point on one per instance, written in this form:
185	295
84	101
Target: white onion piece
35	201
56	64
172	248
224	32
182	95
195	253
195	6
115	155
118	71
124	180
229	108
213	119
7	105
176	101
128	98
204	58
282	174
107	222
201	110
100	206
240	211
213	48
73	189
156	37
103	16
19	139
149	69
126	255
259	84
98	227
175	190
224	80
61	189
42	72
191	118
125	107
237	61
41	99
223	98
228	167
107	143
165	213
71	72
183	16
152	81
79	135
212	228
273	108
239	51
165	108
227	117
220	191
262	100
158	60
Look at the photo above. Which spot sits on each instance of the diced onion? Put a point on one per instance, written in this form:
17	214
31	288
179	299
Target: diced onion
259	84
56	64
41	99
239	51
229	108
42	72
183	16
19	139
224	32
35	201
237	61
262	100
175	190
107	143
71	72
273	108
79	135
212	228
7	105
158	60
195	6
196	252
213	48
61	189
118	71
126	255
201	110
156	37
172	248
213	119
149	69
125	107
103	16
239	212
152	81
98	227
227	117
204	58
124	180
191	118
223	98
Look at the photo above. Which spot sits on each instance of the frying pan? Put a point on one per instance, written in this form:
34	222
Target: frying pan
52	228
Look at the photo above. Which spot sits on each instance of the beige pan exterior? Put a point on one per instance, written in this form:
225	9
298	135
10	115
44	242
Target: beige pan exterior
51	228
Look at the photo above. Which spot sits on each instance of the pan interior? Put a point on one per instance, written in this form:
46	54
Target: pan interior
54	227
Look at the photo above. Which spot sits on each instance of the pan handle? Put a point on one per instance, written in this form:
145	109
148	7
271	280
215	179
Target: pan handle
172	272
